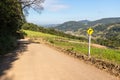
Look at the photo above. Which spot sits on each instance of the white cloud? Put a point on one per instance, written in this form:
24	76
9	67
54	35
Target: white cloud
54	5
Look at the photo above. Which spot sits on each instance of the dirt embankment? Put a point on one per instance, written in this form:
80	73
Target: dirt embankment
109	67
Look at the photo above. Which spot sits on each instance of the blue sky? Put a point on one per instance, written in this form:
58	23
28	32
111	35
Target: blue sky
59	11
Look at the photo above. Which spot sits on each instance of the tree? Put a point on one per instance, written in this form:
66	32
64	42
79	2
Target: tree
11	18
34	4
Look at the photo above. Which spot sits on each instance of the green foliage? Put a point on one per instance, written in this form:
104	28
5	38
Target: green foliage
30	26
11	18
100	27
105	54
111	36
7	43
109	43
33	27
35	34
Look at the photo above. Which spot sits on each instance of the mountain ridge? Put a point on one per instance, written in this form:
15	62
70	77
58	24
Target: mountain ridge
75	25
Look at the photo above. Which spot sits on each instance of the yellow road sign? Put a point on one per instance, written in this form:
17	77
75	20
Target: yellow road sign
90	31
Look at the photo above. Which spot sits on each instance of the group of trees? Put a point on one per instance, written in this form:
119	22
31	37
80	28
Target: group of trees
11	19
33	27
112	37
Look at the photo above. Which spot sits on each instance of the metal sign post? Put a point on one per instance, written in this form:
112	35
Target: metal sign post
89	43
89	31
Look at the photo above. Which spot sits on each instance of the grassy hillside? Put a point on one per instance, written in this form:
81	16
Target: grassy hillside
33	27
111	55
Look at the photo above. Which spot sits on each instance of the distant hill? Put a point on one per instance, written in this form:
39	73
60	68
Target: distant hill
50	25
70	26
106	30
75	25
105	21
84	21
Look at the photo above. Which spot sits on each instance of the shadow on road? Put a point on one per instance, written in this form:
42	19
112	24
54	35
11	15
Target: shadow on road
7	60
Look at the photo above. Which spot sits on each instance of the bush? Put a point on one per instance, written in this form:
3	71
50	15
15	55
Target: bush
7	43
11	19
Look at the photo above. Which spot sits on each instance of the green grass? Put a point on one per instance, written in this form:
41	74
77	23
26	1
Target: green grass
100	53
33	34
47	37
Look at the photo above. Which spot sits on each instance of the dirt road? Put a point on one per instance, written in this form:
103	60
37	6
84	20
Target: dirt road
41	62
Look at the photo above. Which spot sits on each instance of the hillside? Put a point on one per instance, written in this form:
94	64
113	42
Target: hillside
70	26
75	25
101	29
108	35
105	21
106	30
